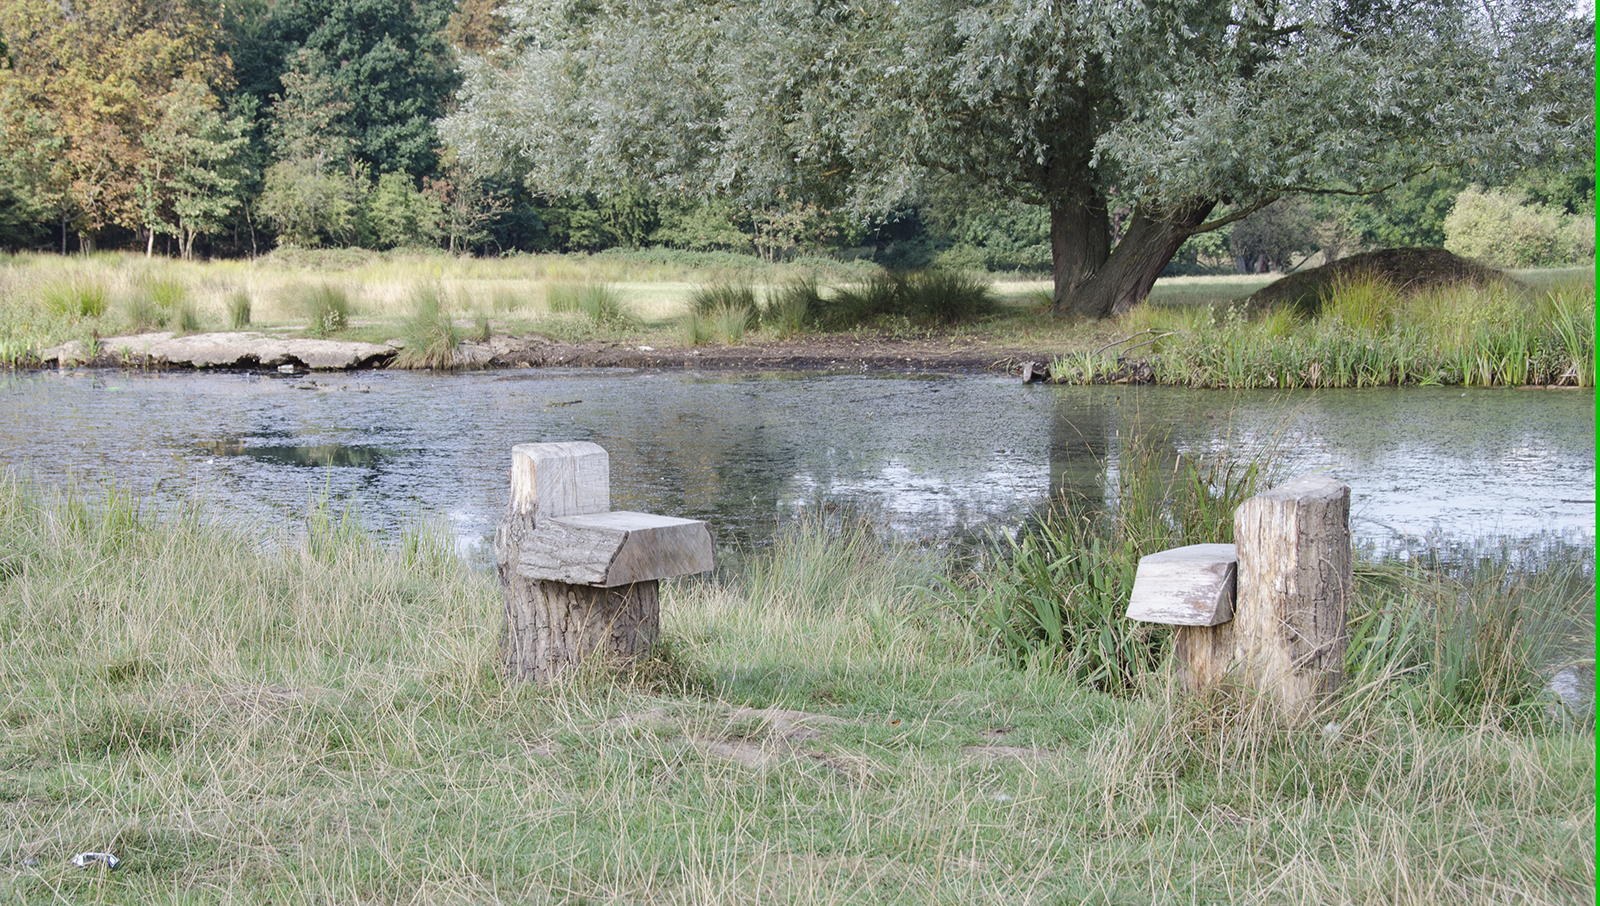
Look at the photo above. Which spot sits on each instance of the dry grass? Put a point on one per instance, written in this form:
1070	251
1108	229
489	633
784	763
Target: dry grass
321	719
510	295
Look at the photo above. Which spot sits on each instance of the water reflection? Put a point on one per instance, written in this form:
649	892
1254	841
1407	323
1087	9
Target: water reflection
313	456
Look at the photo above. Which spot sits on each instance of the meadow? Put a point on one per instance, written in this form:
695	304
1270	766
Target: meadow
1192	332
319	715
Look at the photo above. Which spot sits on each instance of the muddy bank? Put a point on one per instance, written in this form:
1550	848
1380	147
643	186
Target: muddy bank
245	350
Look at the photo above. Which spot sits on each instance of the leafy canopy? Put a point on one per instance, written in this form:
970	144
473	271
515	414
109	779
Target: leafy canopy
1153	103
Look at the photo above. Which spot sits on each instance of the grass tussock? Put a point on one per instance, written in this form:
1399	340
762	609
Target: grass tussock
430	336
239	309
721	313
790	307
326	308
322	716
925	298
600	304
1055	593
74	299
1366	333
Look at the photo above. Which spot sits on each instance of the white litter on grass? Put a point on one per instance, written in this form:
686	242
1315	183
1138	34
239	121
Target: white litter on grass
84	860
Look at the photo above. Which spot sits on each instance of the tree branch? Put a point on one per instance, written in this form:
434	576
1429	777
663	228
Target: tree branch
1238	215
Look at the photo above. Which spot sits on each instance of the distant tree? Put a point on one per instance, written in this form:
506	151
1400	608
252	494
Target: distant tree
392	64
1503	228
398	215
476	26
86	80
1410	215
313	191
467	203
709	225
190	182
32	185
1273	238
1191	113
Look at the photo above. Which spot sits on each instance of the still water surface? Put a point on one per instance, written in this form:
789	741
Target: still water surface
932	456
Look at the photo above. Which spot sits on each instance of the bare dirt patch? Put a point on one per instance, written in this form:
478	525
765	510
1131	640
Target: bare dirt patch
753	737
824	352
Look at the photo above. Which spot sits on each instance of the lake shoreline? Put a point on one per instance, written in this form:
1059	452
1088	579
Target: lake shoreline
257	351
254	351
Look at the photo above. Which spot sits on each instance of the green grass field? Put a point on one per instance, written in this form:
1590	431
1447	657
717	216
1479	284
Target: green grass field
46	300
321	718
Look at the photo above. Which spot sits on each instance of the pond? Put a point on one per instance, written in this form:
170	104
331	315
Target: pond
931	456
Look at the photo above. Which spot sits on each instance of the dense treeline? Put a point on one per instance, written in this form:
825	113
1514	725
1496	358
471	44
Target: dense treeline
197	128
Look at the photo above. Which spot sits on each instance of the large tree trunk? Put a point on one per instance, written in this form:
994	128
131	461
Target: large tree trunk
1080	241
1133	266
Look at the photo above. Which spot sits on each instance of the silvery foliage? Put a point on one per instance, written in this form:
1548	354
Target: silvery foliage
1157	103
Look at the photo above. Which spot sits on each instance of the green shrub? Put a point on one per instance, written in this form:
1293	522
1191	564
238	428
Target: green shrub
327	309
399	215
1500	227
430	337
962	257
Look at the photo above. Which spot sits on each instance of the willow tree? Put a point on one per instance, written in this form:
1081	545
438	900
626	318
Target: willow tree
1181	115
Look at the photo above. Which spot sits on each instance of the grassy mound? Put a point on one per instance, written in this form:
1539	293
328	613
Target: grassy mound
1410	270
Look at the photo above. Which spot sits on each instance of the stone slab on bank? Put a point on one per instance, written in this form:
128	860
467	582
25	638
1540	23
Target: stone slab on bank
225	350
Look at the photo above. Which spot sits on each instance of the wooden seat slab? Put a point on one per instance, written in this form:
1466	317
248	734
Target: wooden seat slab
1185	586
615	548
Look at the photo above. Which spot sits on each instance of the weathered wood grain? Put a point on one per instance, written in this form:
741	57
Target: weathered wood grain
618	548
1204	654
1185	586
552	627
1295	578
561	479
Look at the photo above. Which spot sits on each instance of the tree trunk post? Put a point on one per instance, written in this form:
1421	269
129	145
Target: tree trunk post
581	582
1295	579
